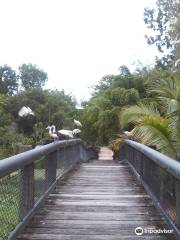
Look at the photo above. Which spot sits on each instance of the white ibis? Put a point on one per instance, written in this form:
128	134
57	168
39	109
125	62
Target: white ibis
25	111
67	133
62	132
52	134
177	63
77	123
53	129
76	131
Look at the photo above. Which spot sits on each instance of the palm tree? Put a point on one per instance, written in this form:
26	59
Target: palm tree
157	124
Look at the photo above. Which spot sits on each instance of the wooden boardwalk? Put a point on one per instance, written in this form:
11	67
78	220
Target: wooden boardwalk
101	200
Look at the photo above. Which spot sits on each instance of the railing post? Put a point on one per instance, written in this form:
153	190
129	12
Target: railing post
67	160
177	194
73	154
27	186
64	158
50	169
76	152
81	150
27	190
85	156
162	184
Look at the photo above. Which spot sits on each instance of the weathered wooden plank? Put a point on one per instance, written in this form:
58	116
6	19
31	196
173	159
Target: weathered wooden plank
126	230
95	196
90	237
100	192
100	216
112	209
88	224
102	203
96	233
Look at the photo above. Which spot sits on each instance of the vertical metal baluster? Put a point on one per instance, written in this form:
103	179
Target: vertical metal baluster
50	169
177	194
27	186
27	190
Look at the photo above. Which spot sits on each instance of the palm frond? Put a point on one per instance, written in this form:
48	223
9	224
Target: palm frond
134	114
115	144
156	131
165	88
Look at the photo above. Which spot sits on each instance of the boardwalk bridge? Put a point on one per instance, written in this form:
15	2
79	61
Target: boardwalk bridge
62	191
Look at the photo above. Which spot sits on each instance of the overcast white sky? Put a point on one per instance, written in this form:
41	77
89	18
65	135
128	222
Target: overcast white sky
75	41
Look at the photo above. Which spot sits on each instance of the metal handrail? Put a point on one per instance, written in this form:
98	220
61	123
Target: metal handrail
172	166
20	160
160	176
24	184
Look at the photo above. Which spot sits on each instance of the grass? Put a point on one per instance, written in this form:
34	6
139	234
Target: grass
9	205
10	196
10	199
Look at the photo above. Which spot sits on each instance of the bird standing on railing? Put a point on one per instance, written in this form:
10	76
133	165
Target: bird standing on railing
76	132
63	133
52	134
66	134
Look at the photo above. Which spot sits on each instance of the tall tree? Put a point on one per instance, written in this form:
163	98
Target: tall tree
31	76
8	81
163	21
103	84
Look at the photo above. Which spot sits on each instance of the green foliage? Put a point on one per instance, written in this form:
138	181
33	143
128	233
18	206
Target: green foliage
125	80
103	102
166	93
134	114
152	127
31	76
121	96
101	113
50	107
107	125
103	84
159	19
8	81
134	81
90	129
124	71
164	20
156	131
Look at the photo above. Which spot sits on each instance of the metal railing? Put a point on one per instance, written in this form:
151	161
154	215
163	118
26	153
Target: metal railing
160	176
27	178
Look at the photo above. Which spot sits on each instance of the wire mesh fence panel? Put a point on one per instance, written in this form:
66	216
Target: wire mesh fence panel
39	178
167	194
151	175
22	191
161	184
68	158
60	162
9	203
158	173
50	168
